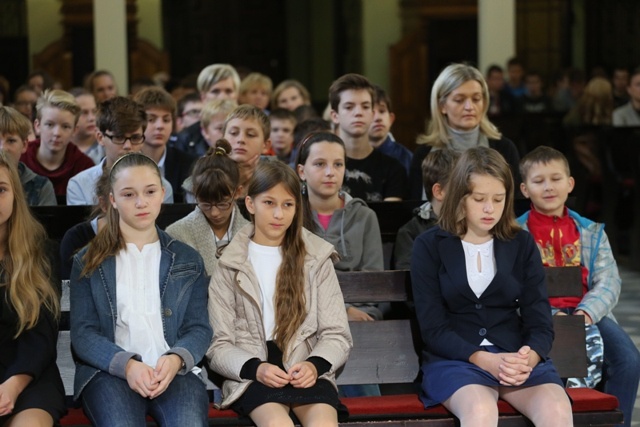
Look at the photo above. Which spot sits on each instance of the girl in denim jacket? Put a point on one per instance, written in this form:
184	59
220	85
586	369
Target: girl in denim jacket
138	311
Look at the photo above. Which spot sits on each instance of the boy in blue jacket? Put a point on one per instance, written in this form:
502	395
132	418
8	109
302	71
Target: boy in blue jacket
564	239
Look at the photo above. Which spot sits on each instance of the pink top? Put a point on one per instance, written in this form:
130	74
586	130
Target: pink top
324	220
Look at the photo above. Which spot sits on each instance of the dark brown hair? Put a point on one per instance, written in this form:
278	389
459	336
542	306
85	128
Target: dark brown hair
436	169
109	239
289	301
541	155
303	155
215	176
349	82
120	115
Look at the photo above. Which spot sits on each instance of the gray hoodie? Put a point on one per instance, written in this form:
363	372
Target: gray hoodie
355	234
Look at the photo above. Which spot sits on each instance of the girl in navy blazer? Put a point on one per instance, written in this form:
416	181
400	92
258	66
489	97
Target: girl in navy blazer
481	303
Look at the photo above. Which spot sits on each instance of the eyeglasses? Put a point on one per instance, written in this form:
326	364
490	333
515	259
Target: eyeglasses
192	113
135	139
221	206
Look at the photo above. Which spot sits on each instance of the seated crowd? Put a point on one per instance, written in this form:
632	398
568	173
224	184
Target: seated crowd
249	290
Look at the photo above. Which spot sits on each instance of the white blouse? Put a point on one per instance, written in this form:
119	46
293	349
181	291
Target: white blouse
266	261
139	323
481	268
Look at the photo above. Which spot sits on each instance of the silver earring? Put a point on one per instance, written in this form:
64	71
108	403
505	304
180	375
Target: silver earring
304	188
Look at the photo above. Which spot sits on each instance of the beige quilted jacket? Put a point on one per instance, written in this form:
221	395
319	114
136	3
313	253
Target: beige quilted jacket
236	318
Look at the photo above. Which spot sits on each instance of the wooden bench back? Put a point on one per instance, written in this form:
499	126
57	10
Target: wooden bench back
387	351
382	351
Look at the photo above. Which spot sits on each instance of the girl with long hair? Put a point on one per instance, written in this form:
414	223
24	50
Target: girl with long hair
216	219
481	303
31	391
345	222
138	311
275	304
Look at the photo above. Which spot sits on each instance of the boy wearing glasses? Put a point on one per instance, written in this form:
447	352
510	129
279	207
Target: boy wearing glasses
189	109
121	123
52	155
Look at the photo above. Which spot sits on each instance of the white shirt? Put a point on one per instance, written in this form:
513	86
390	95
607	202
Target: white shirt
266	261
139	323
481	268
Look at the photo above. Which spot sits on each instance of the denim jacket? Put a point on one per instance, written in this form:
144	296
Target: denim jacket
183	294
603	280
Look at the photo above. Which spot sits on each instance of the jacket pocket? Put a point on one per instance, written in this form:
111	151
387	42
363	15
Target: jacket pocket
185	269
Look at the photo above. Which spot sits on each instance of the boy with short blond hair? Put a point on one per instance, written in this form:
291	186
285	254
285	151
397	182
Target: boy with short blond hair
53	155
436	169
212	118
14	133
283	123
247	128
565	238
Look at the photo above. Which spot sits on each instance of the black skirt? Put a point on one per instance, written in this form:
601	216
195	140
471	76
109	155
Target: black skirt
258	394
46	393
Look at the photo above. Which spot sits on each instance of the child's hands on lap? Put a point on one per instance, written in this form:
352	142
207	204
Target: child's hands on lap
516	367
166	370
303	374
511	369
10	390
140	377
272	376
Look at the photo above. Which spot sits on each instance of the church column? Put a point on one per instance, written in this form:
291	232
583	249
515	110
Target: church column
110	35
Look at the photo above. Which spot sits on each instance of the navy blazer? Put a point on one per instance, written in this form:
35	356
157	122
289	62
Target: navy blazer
513	311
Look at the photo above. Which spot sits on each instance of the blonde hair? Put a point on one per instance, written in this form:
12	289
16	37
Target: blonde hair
451	78
212	74
109	239
250	112
304	93
55	98
213	108
595	107
26	266
255	80
14	122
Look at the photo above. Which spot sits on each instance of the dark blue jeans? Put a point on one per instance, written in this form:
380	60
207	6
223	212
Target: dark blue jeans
621	368
109	401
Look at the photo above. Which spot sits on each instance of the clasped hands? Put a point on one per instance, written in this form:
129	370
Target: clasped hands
511	369
150	382
300	375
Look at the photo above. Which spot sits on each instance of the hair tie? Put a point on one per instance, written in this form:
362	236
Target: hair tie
220	151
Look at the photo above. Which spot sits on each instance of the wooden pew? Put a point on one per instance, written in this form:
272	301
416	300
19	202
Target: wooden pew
375	346
387	352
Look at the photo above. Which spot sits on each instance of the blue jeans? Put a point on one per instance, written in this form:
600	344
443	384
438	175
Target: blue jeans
109	401
621	368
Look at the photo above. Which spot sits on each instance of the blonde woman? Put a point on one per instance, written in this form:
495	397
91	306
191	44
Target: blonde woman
459	106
